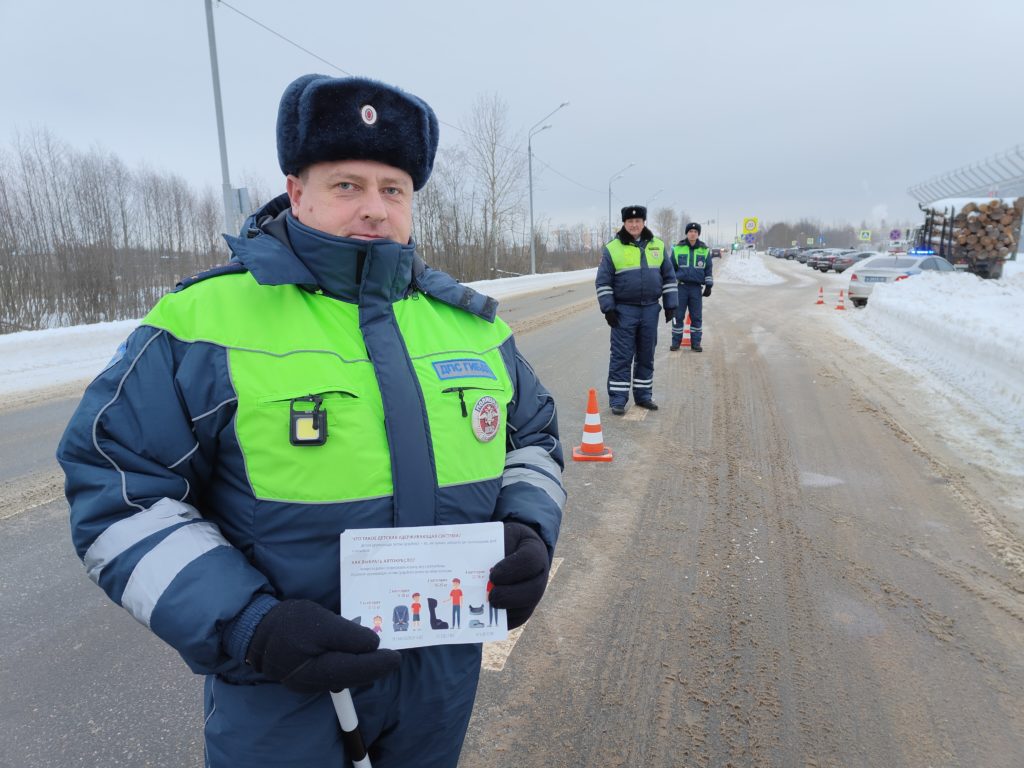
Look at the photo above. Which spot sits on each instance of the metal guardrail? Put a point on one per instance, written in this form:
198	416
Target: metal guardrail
1001	175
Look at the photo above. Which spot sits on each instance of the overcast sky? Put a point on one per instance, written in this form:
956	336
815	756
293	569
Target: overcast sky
727	109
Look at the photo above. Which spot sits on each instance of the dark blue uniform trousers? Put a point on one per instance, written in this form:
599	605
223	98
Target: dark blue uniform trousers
691	297
633	344
416	717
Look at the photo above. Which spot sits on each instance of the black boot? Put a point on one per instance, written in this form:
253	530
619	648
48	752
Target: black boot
696	348
650	405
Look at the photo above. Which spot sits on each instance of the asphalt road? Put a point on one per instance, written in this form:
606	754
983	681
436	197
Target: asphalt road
779	568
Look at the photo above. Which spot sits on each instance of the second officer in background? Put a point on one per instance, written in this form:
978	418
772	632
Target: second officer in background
634	276
692	261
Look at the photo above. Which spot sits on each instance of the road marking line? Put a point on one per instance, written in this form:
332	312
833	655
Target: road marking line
497	653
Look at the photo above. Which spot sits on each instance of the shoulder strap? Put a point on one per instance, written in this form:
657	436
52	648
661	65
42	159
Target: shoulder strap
231	268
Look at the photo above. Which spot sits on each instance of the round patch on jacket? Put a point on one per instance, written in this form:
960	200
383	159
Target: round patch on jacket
486	419
368	113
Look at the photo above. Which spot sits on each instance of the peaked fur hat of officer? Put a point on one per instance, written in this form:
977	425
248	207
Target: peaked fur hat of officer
325	118
692	225
634	212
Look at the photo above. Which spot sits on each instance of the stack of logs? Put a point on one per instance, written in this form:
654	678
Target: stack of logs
982	231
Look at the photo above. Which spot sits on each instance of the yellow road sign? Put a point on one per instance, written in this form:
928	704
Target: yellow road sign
750	225
865	234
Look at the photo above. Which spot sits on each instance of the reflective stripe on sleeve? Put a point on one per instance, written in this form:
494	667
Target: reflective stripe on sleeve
534	466
157	569
126	533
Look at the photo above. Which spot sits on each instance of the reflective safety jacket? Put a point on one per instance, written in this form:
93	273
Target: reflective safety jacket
635	273
314	384
692	263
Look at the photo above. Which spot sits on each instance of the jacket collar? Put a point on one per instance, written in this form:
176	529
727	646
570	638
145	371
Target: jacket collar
277	249
699	244
627	239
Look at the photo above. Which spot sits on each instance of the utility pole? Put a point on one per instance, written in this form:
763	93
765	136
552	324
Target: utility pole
529	153
615	176
236	201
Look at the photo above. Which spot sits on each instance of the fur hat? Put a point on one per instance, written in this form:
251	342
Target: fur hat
634	212
325	118
692	225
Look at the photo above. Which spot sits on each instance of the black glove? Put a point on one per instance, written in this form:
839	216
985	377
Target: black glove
669	314
309	649
612	317
707	290
519	579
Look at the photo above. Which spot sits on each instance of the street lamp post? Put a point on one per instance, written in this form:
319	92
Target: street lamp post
614	177
529	152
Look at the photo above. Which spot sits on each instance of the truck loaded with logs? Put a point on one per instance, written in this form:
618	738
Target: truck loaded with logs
974	234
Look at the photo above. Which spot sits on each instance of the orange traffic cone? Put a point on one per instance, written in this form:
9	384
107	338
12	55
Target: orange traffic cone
686	330
592	447
842	303
821	295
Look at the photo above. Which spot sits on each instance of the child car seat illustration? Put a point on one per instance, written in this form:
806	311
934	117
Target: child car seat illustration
400	618
435	623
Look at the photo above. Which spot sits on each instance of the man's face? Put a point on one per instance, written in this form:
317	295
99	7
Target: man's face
354	198
634	227
691	236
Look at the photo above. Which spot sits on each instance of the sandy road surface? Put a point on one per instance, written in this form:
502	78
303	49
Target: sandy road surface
782	567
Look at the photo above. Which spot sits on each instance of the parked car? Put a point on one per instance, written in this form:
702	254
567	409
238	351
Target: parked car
803	256
813	257
790	253
828	258
847	260
716	253
889	269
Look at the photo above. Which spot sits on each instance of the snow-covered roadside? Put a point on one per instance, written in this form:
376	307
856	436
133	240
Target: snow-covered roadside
967	332
744	267
961	340
41	359
36	360
958	338
943	353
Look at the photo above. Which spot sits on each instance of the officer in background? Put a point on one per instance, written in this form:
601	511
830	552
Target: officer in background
692	260
325	379
634	276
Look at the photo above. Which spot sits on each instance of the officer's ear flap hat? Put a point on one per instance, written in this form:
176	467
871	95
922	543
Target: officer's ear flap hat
324	119
634	212
692	225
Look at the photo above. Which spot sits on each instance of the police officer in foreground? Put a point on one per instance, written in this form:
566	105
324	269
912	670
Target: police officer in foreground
635	274
692	261
325	379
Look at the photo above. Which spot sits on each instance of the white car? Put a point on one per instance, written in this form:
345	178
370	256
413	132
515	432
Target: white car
888	268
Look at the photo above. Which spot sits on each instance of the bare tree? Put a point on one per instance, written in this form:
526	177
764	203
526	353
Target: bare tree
498	169
666	225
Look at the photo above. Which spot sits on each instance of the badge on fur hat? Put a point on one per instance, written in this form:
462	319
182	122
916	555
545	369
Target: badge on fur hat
634	212
486	419
316	123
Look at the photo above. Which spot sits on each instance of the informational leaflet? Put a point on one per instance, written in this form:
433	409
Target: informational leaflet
423	585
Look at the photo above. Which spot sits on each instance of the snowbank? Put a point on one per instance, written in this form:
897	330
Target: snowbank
965	331
744	267
37	359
